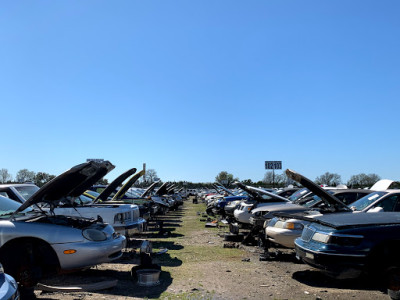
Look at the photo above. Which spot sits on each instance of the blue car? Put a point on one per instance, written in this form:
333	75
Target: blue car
8	286
219	208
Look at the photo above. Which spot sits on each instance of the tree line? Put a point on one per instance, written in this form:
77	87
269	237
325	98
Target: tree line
24	175
41	178
227	179
281	180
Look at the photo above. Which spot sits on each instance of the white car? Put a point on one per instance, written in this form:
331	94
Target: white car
245	210
125	218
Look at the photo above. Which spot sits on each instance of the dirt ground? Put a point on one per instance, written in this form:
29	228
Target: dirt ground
197	266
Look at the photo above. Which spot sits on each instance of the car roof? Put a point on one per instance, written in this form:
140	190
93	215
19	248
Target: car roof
16	184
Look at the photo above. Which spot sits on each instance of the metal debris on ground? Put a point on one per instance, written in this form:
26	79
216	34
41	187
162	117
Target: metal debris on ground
231	245
162	251
211	224
102	285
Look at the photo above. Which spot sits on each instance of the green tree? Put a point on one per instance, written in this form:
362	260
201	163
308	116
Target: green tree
25	175
5	176
330	179
102	181
363	180
41	178
279	180
248	182
225	178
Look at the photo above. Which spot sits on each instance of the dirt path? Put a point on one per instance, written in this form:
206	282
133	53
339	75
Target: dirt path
197	266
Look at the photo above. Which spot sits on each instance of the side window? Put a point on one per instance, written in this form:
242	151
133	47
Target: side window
4	194
389	203
12	196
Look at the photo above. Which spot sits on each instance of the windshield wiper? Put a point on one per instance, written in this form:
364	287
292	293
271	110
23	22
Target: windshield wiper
6	214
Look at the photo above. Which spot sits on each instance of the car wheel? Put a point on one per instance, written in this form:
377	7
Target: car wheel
233	237
22	262
393	284
261	241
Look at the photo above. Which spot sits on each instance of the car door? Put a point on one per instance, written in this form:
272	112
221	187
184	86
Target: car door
390	203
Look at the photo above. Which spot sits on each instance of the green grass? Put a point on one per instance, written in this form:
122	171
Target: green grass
184	255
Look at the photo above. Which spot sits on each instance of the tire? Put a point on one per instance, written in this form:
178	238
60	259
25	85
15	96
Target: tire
233	237
261	242
22	262
393	283
28	261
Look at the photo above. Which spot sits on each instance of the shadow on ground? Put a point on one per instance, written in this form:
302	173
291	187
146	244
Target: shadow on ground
317	279
126	286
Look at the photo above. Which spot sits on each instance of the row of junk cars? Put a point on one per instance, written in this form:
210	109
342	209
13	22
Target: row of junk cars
72	224
345	233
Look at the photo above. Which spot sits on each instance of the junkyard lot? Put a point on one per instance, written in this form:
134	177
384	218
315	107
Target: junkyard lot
198	267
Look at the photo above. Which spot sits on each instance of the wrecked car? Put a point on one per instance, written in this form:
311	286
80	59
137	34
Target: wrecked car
285	228
8	286
347	245
123	217
260	199
36	243
283	231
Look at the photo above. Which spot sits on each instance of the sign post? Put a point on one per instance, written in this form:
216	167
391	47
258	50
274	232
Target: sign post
273	165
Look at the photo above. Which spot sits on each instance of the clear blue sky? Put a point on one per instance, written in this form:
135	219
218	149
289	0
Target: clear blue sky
196	87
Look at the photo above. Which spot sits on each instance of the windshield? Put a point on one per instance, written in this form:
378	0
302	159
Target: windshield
92	193
27	191
365	201
133	194
82	199
8	206
300	193
314	199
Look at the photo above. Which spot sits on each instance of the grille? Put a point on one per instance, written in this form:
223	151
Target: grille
307	234
136	214
128	216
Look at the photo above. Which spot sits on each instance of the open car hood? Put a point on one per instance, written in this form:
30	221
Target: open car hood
113	185
333	203
122	191
162	190
381	185
149	189
171	188
272	195
247	189
225	189
72	182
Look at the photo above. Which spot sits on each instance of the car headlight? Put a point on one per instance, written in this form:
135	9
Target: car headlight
119	218
345	240
293	226
94	235
338	239
272	222
321	237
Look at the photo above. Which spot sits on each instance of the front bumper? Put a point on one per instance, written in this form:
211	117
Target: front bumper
8	288
89	253
283	237
337	265
131	228
242	216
